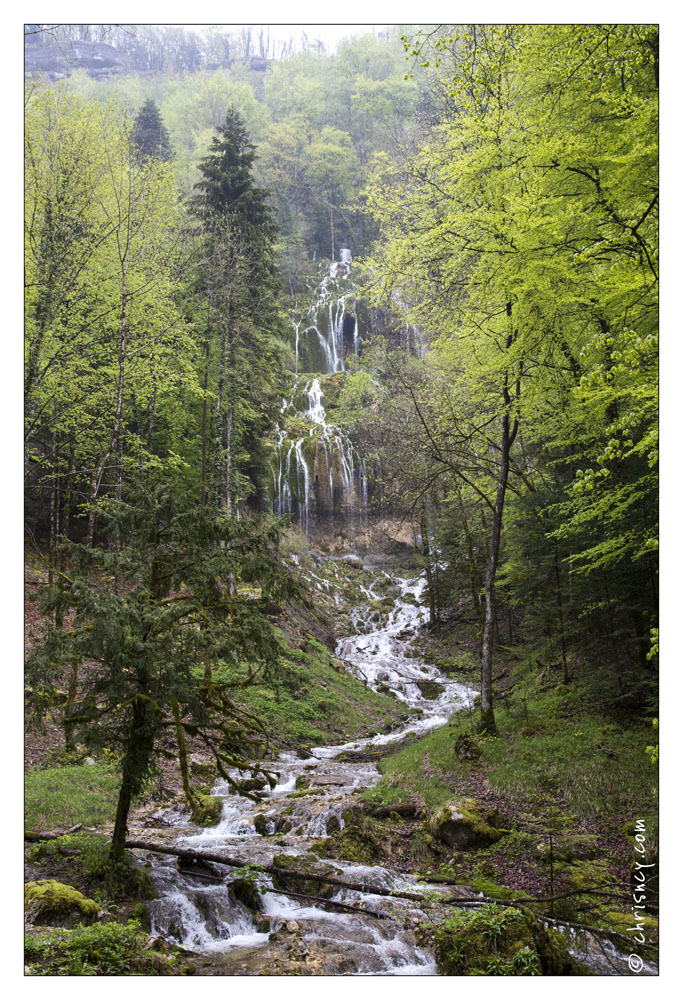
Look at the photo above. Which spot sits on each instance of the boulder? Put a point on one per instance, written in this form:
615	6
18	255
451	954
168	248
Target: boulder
430	690
464	824
501	941
54	904
207	809
306	864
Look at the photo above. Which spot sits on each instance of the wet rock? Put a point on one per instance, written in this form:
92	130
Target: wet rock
303	781
430	690
248	893
292	927
302	864
54	904
261	824
464	824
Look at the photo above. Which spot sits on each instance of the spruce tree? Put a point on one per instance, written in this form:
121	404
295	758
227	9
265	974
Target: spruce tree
150	645
238	274
150	136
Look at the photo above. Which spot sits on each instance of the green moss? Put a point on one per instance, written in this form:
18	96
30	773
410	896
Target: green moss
85	858
500	941
353	843
50	902
463	824
207	809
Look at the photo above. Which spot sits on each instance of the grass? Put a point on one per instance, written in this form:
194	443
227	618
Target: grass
317	701
553	745
63	796
101	950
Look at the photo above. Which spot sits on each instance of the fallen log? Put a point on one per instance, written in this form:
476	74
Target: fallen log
400	808
141	845
319	900
221	859
36	835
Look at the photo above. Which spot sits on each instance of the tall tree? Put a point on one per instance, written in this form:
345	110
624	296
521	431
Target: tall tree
146	646
238	276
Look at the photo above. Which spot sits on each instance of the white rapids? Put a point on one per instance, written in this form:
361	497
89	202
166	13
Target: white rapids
206	918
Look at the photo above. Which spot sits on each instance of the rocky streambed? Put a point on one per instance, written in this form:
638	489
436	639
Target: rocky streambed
313	799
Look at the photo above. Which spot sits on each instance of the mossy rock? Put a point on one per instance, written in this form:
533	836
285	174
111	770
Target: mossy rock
307	864
207	809
54	904
247	892
353	843
303	781
501	941
464	824
624	923
261	824
569	847
332	826
430	690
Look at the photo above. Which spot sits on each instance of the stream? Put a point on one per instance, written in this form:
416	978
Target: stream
206	917
295	935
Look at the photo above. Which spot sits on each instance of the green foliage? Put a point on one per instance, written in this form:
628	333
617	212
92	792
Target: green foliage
109	949
523	235
181	570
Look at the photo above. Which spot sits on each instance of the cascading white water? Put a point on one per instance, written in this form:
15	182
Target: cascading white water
317	471
208	918
319	328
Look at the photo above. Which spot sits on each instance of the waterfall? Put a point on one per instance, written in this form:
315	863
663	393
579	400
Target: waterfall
319	330
316	470
325	474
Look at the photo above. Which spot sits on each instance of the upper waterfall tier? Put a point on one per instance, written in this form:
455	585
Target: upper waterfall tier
324	319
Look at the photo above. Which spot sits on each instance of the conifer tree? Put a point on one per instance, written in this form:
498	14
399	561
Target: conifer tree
243	355
178	607
150	136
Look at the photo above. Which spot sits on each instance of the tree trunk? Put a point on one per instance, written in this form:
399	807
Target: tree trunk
205	492
72	690
475	581
560	615
99	469
508	435
182	754
427	557
135	768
